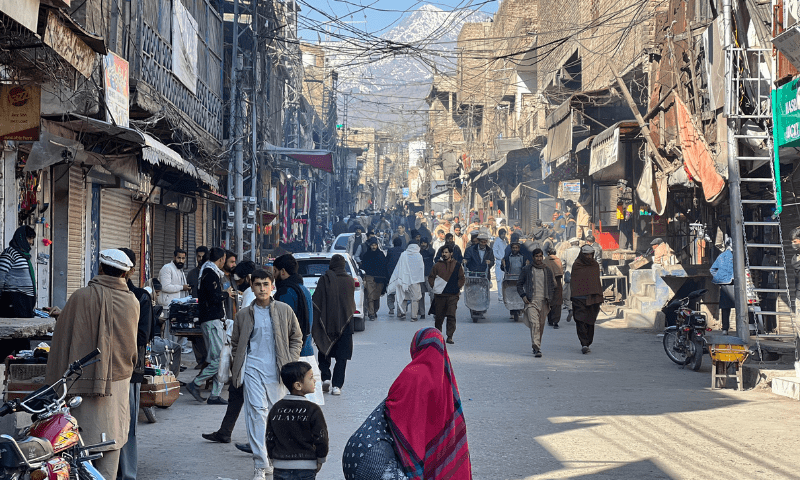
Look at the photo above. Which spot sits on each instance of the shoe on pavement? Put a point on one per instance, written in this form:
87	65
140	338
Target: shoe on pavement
537	353
336	391
414	319
724	332
326	385
262	473
216	401
391	313
450	340
585	350
555	326
569	316
216	437
195	391
245	447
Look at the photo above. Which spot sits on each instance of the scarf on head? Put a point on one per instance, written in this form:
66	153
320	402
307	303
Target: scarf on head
424	413
585	279
334	305
20	243
374	264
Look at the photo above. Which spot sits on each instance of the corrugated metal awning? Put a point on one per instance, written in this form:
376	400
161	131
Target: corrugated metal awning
156	153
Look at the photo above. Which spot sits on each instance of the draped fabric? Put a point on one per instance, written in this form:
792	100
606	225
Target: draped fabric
585	280
20	243
425	414
334	305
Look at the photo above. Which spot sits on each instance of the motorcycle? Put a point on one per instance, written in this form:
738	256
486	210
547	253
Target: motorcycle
51	448
685	341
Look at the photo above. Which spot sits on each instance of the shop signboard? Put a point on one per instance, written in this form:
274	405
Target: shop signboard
786	115
24	12
406	192
68	45
605	151
20	107
115	76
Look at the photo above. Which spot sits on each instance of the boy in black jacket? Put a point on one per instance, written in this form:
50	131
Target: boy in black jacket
297	436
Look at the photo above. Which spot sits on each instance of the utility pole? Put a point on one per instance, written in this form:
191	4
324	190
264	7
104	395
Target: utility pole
737	227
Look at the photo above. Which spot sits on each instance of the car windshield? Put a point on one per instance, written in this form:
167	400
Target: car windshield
341	243
315	267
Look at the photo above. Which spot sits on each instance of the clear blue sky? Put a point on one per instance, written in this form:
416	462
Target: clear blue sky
373	16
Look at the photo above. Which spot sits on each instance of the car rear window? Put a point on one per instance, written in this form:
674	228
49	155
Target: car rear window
315	267
341	243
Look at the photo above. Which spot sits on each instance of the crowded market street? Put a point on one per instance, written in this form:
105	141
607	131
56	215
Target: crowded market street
624	411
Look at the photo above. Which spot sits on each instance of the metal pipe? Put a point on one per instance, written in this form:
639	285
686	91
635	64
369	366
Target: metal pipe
737	227
232	137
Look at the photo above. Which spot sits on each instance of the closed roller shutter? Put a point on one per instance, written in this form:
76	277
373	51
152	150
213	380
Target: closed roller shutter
115	215
165	231
189	239
76	232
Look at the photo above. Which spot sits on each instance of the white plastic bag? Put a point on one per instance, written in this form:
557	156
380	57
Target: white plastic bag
438	285
316	397
225	360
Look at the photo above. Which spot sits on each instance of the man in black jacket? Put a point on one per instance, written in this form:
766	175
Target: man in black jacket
392	257
536	286
128	455
427	259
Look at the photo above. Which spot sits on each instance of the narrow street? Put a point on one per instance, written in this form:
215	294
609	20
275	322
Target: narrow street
624	411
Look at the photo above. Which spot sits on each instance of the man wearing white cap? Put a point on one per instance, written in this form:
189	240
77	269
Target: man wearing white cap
567	259
103	315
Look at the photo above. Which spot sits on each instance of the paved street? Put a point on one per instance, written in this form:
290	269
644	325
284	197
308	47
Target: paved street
623	411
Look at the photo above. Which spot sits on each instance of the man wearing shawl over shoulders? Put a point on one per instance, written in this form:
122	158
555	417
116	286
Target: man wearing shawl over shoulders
332	328
586	295
406	279
104	315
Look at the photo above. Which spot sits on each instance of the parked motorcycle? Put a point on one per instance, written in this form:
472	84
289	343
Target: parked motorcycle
685	342
51	448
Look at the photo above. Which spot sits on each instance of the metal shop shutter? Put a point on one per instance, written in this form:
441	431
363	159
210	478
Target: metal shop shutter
165	232
115	218
189	239
136	235
76	232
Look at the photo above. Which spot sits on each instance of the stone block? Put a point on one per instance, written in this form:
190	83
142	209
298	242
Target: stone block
786	387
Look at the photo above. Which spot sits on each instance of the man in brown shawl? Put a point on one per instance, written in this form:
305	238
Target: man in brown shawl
104	315
332	329
586	295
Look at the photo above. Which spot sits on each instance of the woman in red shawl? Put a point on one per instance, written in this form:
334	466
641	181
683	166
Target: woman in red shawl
419	431
586	295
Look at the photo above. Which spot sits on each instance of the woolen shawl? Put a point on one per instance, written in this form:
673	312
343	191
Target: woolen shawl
585	279
104	315
374	264
20	243
425	414
334	305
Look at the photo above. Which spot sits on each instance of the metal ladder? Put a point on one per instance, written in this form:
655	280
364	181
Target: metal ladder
756	85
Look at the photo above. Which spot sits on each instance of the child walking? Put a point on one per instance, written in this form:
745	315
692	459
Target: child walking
297	436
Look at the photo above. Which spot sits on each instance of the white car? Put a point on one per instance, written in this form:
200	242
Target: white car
339	244
311	266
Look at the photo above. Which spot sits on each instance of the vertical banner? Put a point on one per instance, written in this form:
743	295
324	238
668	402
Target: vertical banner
20	106
184	46
115	80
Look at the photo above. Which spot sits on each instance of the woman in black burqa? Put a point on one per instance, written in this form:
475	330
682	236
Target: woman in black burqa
332	329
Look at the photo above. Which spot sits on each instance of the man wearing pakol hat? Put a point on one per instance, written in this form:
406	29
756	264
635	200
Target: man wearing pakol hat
479	257
586	295
103	315
568	257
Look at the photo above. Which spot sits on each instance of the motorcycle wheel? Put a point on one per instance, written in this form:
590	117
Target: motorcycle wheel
150	413
697	356
684	350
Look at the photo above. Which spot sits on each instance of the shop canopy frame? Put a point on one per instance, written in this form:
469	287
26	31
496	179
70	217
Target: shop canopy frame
320	159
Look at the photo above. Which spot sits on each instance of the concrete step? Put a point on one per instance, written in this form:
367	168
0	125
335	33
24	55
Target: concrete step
636	319
786	387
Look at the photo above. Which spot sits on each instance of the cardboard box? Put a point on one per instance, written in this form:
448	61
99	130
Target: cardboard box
159	391
22	379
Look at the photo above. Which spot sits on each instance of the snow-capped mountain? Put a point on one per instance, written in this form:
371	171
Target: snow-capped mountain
389	78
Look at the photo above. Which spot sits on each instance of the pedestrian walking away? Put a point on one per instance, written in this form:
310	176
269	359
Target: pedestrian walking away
568	258
18	277
419	431
555	265
266	336
536	286
297	436
587	295
446	280
332	329
499	250
374	264
392	257
212	320
405	282
722	275
103	315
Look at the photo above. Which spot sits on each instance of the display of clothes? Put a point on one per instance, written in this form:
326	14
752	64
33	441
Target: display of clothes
295	212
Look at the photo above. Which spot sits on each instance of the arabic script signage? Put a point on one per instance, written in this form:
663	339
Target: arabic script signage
63	40
115	78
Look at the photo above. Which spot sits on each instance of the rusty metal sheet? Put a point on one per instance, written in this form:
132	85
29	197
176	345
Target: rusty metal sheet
68	45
